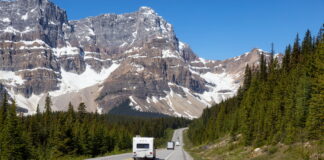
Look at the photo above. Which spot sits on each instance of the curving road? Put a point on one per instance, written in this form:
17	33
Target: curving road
162	154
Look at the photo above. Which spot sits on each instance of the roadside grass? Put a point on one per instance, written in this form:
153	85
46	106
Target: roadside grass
188	146
225	149
89	157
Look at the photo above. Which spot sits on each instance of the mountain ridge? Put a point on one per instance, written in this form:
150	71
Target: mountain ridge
108	59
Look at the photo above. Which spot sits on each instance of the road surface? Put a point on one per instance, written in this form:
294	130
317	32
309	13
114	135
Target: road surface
161	154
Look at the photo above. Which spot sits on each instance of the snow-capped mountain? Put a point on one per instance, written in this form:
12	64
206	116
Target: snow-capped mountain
108	60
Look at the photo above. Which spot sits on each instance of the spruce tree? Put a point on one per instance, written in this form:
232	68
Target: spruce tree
3	110
13	145
315	119
307	44
247	78
82	108
47	129
286	62
82	111
263	67
71	114
296	51
48	104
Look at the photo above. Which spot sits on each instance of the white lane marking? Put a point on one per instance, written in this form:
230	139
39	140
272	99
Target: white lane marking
166	158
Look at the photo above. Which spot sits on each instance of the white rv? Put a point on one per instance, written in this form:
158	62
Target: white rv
143	148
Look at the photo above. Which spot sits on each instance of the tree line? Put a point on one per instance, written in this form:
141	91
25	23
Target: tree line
55	135
278	101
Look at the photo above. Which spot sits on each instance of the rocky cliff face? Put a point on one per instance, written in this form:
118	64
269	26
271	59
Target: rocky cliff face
107	60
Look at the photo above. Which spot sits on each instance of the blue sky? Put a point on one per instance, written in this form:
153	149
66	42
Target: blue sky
219	29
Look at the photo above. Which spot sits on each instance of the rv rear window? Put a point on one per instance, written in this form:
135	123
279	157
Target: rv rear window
143	146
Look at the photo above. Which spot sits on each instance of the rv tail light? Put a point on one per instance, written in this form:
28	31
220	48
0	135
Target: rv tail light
151	153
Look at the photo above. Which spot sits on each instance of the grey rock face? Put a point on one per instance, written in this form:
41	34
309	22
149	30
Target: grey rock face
29	29
32	19
108	60
113	34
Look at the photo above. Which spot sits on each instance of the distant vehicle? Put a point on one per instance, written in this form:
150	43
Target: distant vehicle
170	145
177	143
143	148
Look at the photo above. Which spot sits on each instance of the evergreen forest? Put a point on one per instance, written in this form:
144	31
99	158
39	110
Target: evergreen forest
280	101
66	135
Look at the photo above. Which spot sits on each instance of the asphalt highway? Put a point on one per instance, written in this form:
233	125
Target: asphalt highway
161	154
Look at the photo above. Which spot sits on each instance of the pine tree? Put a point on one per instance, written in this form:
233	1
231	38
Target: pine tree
64	140
263	68
47	129
307	44
82	108
13	145
48	104
3	110
37	110
315	120
296	51
302	97
82	111
38	113
70	113
3	117
286	62
247	78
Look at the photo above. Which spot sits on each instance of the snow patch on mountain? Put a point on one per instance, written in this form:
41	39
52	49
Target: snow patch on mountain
222	86
152	99
10	29
7	20
11	78
147	10
72	82
181	45
36	69
97	59
30	103
138	68
24	17
134	104
169	54
66	51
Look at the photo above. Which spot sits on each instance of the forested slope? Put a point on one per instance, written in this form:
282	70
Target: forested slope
57	135
278	102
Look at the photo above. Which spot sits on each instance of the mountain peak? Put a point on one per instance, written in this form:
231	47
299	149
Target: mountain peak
257	50
146	10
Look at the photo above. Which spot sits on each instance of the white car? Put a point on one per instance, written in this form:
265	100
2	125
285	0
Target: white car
177	143
143	148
